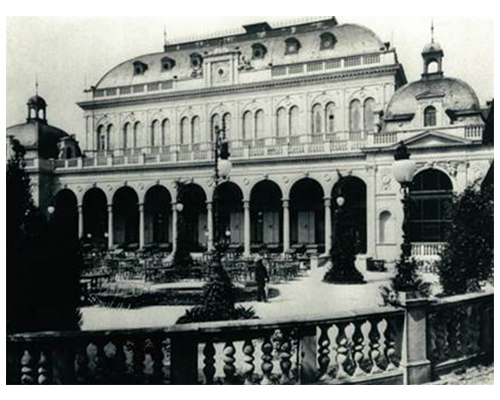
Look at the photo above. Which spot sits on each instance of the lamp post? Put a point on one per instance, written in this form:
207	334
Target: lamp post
222	169
404	170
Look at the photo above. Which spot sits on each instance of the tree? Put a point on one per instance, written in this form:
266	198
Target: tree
43	261
343	254
467	258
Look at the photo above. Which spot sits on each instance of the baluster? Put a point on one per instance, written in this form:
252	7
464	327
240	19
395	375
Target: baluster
209	361
157	358
358	346
43	369
229	360
249	367
285	354
119	363
324	350
375	354
342	351
138	360
267	361
27	368
390	345
82	363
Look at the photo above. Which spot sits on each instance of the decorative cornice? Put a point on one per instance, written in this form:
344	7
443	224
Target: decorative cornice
206	92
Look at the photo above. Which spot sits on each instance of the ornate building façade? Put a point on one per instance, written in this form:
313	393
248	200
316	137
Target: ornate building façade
303	105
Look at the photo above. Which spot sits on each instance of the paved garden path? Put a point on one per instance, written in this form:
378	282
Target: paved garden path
306	295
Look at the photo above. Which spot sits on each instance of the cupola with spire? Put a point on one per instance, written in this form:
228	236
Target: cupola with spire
432	53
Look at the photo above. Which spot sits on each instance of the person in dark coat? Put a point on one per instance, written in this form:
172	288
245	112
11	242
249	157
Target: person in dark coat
261	278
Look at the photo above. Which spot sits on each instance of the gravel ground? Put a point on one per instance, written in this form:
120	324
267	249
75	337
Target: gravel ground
477	375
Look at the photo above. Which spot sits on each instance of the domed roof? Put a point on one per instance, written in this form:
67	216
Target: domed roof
432	47
37	101
351	39
456	95
34	135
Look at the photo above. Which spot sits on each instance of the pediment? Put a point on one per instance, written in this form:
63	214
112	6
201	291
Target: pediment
434	139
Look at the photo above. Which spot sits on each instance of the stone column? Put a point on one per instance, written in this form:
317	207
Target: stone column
371	213
286	225
210	226
174	227
416	366
110	226
141	225
80	221
246	227
328	225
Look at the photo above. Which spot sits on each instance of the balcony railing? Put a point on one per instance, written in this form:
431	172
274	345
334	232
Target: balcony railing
269	147
370	346
426	250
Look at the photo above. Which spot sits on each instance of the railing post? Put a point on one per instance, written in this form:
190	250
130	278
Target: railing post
487	330
184	360
308	354
416	366
63	363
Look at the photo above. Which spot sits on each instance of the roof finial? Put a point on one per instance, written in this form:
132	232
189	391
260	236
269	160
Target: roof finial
432	31
165	42
36	84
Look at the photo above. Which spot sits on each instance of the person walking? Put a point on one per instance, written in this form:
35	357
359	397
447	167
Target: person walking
261	278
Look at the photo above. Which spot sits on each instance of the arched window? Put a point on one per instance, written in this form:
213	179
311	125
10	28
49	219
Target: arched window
369	119
281	122
126	134
214	122
101	138
330	118
184	131
155	132
137	134
247	125
195	130
294	121
259	124
355	116
430	116
165	132
431	193
386	228
327	41
292	46
317	119
109	136
227	122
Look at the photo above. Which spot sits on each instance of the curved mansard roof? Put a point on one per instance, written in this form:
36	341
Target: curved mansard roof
350	39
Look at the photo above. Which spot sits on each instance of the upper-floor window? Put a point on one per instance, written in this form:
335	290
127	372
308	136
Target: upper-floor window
195	130
167	64
137	134
294	121
330	118
259	124
165	132
317	118
140	68
430	116
226	119
126	134
184	139
369	116
292	46
355	116
101	138
155	133
247	125
215	122
281	122
109	136
327	41
258	51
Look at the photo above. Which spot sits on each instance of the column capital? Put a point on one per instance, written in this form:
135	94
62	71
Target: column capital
328	201
110	207
286	202
141	206
246	203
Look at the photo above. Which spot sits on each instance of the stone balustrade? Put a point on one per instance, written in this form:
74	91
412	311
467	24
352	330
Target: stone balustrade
426	250
381	345
271	147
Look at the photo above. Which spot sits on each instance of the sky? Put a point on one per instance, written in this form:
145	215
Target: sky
67	55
